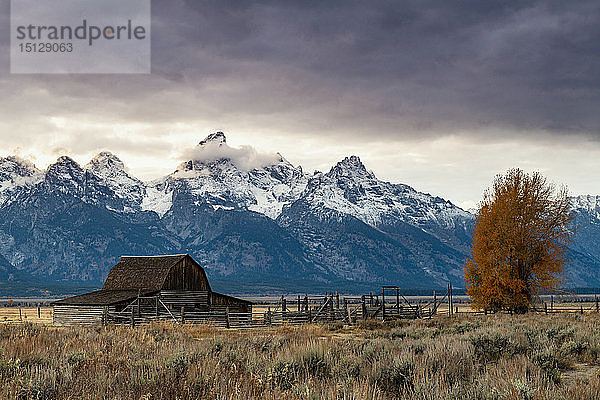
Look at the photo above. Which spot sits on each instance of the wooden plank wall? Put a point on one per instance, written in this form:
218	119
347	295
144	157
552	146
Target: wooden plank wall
186	275
68	315
176	299
220	302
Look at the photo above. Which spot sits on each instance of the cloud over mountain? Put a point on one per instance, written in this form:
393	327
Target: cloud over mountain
215	148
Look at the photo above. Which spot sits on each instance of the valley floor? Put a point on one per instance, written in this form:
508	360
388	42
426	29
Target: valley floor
465	357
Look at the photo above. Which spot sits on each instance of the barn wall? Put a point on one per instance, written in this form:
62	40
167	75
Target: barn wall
186	275
69	315
191	300
220	302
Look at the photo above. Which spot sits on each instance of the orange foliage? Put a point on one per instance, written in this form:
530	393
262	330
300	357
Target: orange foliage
520	242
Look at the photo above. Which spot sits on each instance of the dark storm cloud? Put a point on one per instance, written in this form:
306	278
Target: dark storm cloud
412	66
361	68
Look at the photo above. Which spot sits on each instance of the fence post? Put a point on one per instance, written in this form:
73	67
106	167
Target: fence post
349	313
398	300
546	308
132	317
283	304
383	304
104	315
20	315
364	307
182	315
298	303
450	299
269	316
331	307
551	302
306	302
39	312
345	305
434	303
227	323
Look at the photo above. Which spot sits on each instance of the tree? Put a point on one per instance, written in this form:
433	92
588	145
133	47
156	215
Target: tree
520	242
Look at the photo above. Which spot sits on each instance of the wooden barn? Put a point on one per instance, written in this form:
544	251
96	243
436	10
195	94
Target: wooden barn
139	289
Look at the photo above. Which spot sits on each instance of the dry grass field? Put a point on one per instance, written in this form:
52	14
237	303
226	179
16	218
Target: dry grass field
465	357
26	314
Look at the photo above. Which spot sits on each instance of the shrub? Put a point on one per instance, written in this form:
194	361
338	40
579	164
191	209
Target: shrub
371	324
521	390
395	376
492	345
550	364
313	362
283	374
334	326
178	364
464	327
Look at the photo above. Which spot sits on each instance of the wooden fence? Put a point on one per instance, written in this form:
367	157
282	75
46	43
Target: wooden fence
305	309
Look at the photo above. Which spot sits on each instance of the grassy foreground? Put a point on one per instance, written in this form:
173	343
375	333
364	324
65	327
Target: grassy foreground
494	357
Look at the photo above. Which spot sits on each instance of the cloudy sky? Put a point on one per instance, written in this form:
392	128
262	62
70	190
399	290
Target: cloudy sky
441	95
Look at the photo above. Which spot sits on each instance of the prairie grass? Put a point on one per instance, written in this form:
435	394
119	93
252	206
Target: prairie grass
493	357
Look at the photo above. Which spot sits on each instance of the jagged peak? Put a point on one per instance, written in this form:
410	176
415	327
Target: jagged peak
64	163
215	137
586	201
18	165
105	159
351	166
65	160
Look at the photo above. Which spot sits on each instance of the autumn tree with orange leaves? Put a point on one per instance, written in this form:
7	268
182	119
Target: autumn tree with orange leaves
520	242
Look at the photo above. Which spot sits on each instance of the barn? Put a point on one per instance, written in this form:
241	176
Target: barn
142	288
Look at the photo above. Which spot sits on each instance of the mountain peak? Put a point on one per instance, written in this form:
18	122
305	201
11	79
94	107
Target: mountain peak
586	202
65	160
16	165
215	137
351	166
65	168
105	160
353	161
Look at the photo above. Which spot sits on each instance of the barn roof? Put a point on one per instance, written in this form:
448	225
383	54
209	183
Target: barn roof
102	297
141	272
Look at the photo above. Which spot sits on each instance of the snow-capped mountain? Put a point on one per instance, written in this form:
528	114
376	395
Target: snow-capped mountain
15	175
587	204
350	189
252	220
217	176
111	172
585	249
386	229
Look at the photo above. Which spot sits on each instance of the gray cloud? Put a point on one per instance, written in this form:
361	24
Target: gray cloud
365	71
376	68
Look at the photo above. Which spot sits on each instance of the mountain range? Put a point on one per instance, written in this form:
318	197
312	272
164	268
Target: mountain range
256	222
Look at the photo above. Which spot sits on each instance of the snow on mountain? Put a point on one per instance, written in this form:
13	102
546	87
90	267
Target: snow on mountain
586	203
248	215
157	198
110	171
350	189
234	178
16	174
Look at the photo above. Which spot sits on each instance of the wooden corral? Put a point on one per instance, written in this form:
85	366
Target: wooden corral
144	288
